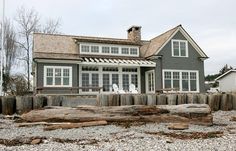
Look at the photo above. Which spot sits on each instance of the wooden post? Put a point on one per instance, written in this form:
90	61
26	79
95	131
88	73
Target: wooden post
0	104
8	105
140	99
114	100
102	99
234	100
181	99
192	99
202	99
161	99
126	99
55	100
39	101
171	99
24	104
214	101
151	99
226	103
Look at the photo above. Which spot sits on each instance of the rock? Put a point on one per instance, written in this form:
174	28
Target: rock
178	126
35	141
233	118
169	141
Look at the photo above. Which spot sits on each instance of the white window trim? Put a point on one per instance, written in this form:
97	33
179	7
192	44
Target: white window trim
53	79
146	80
172	47
100	72
108	45
180	79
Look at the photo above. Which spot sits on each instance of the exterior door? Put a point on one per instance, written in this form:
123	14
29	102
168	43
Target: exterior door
150	81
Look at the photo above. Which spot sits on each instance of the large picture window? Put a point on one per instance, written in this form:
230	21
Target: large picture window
105	77
57	76
179	48
184	81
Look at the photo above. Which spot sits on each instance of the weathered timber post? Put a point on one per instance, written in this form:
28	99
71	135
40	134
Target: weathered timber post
0	104
102	99
192	99
151	99
202	99
114	100
234	101
161	99
126	99
140	99
181	99
171	99
214	101
8	105
55	100
226	103
39	101
24	104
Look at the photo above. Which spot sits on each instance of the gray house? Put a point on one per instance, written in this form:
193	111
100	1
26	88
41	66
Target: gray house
83	65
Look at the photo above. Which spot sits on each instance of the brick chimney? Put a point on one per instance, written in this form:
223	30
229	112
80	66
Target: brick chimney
134	34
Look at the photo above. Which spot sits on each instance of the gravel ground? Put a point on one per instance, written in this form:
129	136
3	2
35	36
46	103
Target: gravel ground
138	136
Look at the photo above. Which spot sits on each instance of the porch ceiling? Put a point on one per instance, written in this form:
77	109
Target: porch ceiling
121	62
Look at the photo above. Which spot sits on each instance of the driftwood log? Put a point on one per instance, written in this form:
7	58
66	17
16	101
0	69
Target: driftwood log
188	113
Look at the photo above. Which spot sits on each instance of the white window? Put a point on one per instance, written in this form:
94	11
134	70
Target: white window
55	76
184	81
179	48
125	50
106	76
84	48
150	81
115	50
94	49
105	49
133	51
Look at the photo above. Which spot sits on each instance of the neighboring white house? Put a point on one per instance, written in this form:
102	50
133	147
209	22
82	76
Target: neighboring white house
227	81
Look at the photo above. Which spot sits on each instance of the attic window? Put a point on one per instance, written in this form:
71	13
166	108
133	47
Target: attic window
179	48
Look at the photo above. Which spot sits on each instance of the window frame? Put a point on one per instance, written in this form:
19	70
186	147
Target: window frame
180	80
152	82
53	77
179	41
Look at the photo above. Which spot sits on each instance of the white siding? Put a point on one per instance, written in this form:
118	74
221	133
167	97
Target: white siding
228	82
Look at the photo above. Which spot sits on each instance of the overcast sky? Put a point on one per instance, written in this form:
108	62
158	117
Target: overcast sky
211	23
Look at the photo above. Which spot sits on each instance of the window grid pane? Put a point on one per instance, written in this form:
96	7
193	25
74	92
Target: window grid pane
133	51
94	49
125	82
105	49
84	48
85	81
134	80
115	50
58	76
95	80
125	50
106	83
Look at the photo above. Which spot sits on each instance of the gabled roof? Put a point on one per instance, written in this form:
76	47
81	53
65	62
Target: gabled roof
225	74
156	44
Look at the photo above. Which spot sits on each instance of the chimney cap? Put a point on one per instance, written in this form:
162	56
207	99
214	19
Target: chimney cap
134	26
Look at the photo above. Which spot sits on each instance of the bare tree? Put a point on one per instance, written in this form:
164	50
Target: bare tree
10	48
51	26
28	22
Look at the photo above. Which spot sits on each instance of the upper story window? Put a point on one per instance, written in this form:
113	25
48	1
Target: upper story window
84	48
94	49
133	51
115	50
105	49
109	49
125	50
179	48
